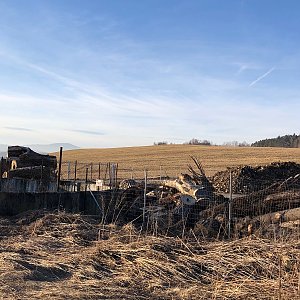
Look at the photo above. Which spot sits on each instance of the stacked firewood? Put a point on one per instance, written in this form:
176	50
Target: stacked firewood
22	162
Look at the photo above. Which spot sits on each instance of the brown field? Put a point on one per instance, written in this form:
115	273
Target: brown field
173	159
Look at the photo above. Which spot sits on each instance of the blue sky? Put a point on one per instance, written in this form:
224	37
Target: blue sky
115	73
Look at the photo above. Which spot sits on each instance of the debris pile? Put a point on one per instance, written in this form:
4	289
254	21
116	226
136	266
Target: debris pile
247	179
191	201
172	204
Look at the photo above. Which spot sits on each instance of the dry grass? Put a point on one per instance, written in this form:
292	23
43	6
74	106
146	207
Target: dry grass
174	158
64	256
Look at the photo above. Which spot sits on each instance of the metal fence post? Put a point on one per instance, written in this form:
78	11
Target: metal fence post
160	173
75	174
91	171
116	176
99	175
230	204
109	174
112	175
69	169
145	194
59	167
86	178
42	166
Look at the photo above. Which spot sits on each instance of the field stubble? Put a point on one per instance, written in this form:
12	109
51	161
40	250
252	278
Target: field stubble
174	159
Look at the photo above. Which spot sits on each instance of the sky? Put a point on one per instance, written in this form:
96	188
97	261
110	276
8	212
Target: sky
113	73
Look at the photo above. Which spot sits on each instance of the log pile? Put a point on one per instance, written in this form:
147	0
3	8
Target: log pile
247	179
249	210
280	219
22	162
25	157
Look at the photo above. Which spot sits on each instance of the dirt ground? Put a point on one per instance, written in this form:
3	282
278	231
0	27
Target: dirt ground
55	255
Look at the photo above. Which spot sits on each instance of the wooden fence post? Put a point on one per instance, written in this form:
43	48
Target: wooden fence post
59	167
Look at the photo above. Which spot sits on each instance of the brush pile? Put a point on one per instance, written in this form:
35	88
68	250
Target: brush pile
191	201
169	205
247	179
57	255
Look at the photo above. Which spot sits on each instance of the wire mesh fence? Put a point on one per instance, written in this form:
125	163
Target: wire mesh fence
271	208
93	171
101	176
226	205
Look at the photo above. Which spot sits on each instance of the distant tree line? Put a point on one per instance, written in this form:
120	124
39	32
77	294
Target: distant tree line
193	141
286	141
161	143
236	144
198	142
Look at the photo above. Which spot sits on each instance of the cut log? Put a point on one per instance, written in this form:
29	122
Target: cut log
36	172
256	204
185	186
280	216
291	224
13	164
283	196
249	225
49	162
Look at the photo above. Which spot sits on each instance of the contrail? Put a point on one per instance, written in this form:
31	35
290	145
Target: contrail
261	77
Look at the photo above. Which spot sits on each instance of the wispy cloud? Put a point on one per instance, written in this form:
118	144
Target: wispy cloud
246	66
88	132
261	77
18	129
